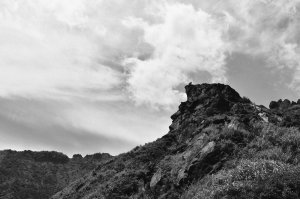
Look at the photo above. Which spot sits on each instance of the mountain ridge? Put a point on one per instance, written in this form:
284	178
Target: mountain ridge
219	145
214	131
30	174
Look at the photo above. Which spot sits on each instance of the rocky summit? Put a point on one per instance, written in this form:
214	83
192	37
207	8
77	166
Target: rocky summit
219	146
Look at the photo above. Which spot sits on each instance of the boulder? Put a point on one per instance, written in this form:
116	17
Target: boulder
156	178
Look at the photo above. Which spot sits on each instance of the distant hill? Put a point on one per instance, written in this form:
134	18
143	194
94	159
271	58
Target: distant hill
38	175
220	146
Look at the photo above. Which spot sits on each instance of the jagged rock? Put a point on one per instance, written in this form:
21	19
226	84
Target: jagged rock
264	117
234	124
209	133
216	98
156	178
273	105
285	104
197	160
212	128
208	148
206	91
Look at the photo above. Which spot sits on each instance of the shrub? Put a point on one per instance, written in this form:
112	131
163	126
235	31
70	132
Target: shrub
260	179
246	100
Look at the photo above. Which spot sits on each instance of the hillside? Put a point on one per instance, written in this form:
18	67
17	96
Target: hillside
38	175
220	145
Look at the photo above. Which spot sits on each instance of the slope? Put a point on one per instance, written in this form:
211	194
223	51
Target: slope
38	175
220	145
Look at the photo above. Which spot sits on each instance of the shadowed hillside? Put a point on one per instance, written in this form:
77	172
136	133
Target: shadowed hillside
38	175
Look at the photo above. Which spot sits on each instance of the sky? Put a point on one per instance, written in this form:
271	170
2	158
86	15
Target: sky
87	76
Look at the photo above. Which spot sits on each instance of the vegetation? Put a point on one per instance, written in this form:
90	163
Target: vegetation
267	167
220	146
37	175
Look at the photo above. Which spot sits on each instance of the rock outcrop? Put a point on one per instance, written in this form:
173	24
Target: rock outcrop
219	145
287	112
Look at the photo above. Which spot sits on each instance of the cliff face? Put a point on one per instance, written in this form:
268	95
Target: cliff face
220	145
38	175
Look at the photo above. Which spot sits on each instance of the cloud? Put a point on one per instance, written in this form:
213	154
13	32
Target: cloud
186	41
47	50
193	36
69	48
266	28
100	56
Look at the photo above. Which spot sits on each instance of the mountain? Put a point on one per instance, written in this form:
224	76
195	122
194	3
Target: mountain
220	146
39	175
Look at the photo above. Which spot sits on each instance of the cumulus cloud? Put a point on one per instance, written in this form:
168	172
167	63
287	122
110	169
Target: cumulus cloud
199	36
70	48
186	41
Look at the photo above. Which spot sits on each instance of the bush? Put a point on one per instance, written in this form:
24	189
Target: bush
274	143
246	100
50	156
260	179
273	105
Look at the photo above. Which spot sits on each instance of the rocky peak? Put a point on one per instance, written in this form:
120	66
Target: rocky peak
209	99
219	145
283	104
211	92
288	112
